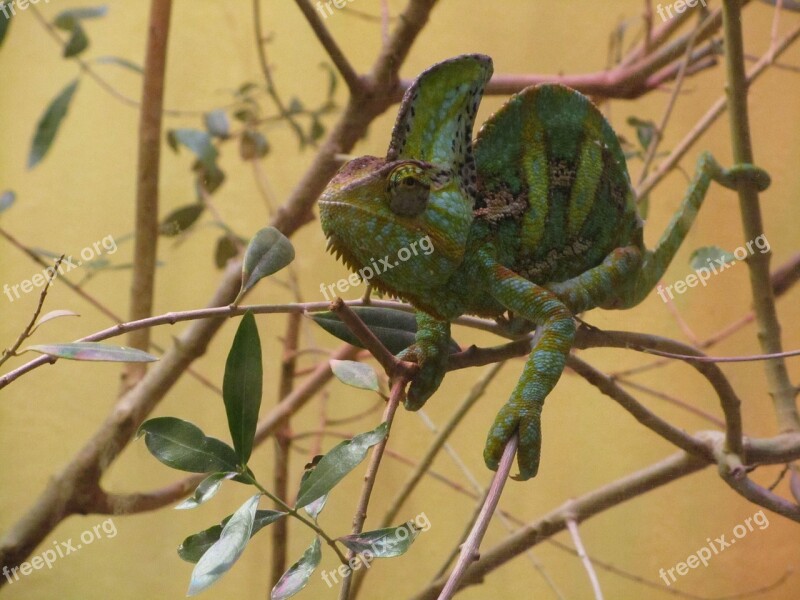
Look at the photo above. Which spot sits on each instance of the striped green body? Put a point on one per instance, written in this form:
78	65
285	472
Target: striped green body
535	218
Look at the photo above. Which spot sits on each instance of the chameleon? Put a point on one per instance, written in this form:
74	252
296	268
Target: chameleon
532	223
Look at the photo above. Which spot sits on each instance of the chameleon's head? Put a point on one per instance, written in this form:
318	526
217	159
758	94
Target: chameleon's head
407	217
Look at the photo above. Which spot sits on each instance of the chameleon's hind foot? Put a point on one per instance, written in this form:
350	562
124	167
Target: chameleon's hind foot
524	420
730	178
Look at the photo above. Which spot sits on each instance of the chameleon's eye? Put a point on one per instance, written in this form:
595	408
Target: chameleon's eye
408	191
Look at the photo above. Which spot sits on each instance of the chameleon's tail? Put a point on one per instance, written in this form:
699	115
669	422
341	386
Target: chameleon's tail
656	261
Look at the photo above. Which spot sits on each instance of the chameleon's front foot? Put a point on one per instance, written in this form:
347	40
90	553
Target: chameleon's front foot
730	178
524	419
432	367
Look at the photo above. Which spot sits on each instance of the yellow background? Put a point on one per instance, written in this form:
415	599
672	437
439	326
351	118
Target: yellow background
84	191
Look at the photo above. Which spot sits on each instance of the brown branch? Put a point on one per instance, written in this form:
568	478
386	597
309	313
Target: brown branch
147	177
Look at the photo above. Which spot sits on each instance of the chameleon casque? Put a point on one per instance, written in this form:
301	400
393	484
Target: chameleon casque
536	217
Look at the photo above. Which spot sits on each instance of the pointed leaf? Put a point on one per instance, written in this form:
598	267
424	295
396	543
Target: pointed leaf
53	314
356	374
317	505
268	252
217	123
181	219
708	255
194	546
241	386
67	19
183	446
197	141
395	328
206	490
49	123
78	42
383	543
337	463
93	351
122	62
296	578
7	198
219	558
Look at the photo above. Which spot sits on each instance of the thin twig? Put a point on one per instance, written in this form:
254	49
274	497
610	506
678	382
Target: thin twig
572	526
470	550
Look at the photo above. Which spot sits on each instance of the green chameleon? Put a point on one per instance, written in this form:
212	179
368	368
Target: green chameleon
536	217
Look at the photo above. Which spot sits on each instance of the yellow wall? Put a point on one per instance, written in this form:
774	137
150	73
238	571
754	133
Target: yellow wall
84	191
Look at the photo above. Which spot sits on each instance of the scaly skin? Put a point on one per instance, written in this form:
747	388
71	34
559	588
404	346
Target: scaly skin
537	217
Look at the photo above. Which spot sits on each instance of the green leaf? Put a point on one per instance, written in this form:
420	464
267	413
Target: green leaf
67	19
122	62
253	145
217	123
296	578
225	251
49	123
337	463
317	130
706	255
241	386
194	546
93	351
181	219
183	446
7	198
5	23
382	543
355	374
197	141
295	106
315	507
77	43
395	328
206	490
645	130
267	253
219	558
332	79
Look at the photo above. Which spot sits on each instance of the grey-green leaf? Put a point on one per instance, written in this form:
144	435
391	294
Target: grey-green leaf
183	446
224	251
221	556
337	463
181	219
7	198
49	123
709	255
382	543
198	142
315	507
268	252
253	145
93	351
355	374
194	546
296	578
53	314
122	62
241	386
67	19
206	490
217	123
395	328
